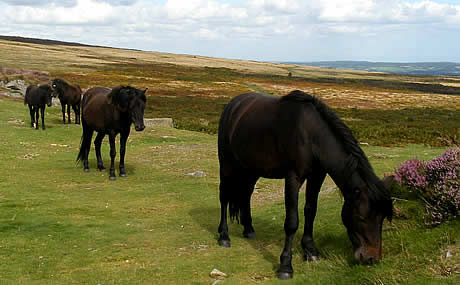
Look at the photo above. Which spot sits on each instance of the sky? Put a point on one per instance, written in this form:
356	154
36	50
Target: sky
260	30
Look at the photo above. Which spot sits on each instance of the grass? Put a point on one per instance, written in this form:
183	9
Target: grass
61	225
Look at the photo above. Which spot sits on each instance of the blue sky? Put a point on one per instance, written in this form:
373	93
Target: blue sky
265	30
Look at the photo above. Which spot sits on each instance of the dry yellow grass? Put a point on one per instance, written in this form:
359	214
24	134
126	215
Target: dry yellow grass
82	60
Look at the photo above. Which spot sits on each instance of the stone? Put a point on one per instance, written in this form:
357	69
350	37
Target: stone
198	173
166	122
215	273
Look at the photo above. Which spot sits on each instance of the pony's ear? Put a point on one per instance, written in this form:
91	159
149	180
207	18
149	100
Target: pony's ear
145	90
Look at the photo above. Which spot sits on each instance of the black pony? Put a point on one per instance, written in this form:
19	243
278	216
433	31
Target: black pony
110	112
37	97
297	137
69	95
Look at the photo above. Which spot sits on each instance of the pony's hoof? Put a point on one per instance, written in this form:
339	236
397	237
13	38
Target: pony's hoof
102	169
250	235
285	275
86	170
312	258
224	243
113	178
123	175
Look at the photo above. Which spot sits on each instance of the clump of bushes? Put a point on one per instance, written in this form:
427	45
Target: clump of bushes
436	183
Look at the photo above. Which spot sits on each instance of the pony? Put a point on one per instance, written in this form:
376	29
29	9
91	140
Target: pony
69	95
37	97
110	112
297	138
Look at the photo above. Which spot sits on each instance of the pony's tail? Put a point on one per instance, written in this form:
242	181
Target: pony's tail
234	210
234	195
85	145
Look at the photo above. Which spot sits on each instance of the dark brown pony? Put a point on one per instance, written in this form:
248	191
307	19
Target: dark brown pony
37	97
69	95
298	138
110	112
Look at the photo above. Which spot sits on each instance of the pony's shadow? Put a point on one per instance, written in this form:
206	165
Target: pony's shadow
208	218
330	245
92	163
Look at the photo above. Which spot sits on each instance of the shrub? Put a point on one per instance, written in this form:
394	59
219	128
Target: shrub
436	182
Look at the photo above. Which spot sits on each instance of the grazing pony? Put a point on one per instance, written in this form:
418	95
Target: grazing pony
69	95
110	112
37	97
298	138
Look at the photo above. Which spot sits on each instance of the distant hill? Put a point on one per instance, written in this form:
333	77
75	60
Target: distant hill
41	41
413	68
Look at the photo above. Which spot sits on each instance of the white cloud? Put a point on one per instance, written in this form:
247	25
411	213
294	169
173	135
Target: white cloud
180	25
85	12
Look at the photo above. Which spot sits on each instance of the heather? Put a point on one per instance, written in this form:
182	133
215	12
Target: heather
436	183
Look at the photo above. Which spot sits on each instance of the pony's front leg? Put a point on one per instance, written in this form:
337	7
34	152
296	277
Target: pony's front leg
113	153
123	139
42	110
291	224
314	183
63	112
68	113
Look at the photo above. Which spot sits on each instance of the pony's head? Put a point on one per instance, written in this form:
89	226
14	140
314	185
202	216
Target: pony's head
58	86
367	204
46	92
131	100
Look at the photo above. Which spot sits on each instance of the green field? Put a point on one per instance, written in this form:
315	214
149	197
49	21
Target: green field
60	225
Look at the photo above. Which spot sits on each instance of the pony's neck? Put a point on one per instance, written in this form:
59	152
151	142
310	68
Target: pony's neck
336	161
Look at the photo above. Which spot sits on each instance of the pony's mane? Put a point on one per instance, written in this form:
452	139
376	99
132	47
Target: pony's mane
115	96
357	158
62	81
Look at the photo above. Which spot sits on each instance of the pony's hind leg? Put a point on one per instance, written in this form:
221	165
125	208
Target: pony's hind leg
85	146
97	146
314	183
37	115
42	110
32	116
247	188
76	110
224	188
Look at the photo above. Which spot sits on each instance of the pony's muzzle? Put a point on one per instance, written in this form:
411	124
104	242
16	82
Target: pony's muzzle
139	128
368	257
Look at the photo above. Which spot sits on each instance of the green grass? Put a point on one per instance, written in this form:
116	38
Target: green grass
59	225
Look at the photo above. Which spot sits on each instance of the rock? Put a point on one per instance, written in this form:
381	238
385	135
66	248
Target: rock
196	174
166	122
16	88
215	273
